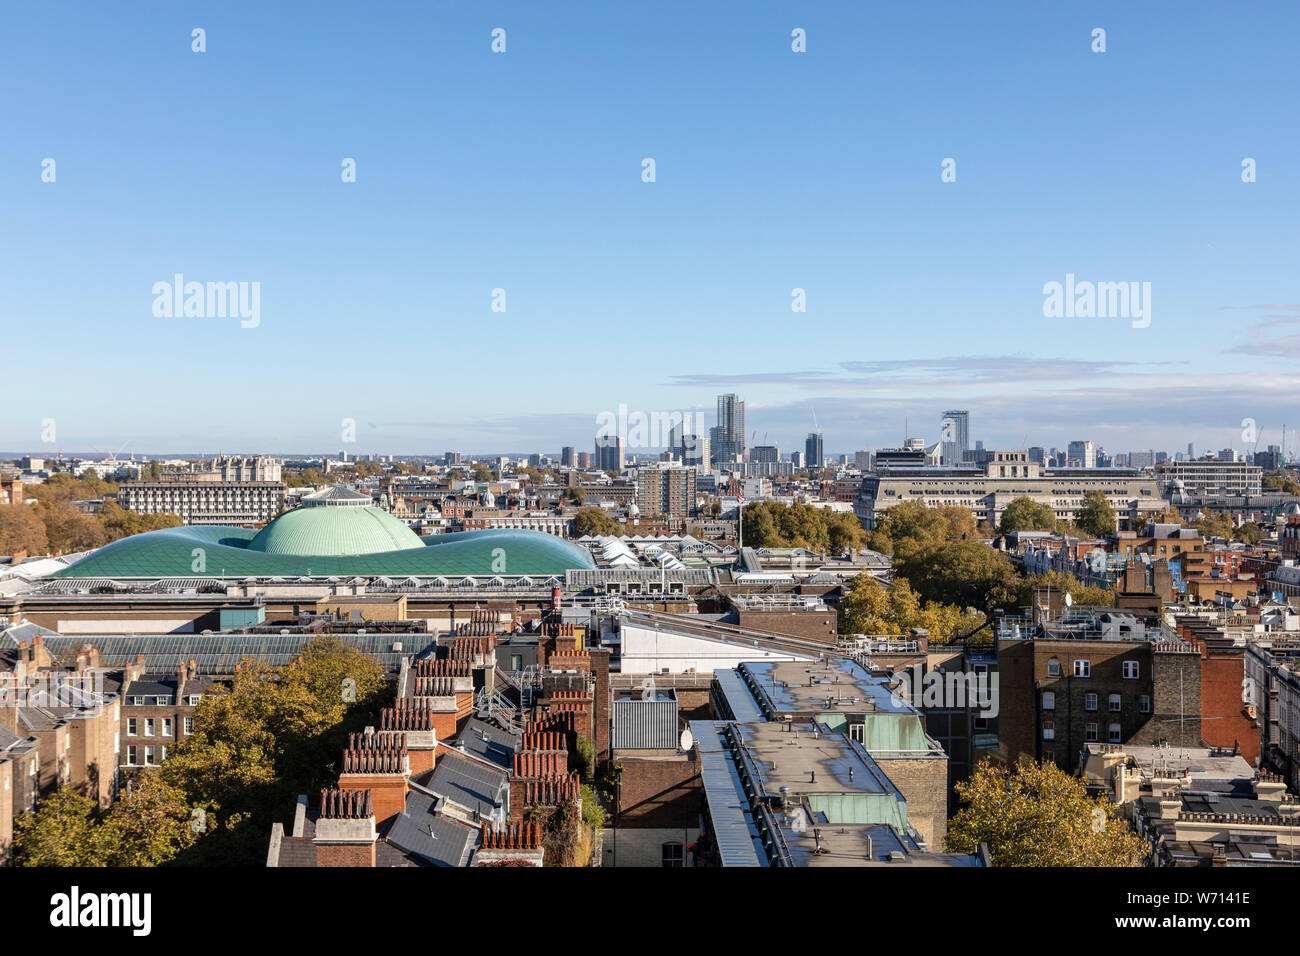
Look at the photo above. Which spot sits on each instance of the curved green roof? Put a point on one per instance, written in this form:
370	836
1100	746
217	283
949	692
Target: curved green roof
214	551
334	531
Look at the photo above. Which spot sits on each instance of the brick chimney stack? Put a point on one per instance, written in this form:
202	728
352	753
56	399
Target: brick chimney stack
345	829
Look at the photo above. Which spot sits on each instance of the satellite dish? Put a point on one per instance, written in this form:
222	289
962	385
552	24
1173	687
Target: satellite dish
688	739
1069	601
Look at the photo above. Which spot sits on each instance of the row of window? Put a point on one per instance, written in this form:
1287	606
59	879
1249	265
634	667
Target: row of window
1083	668
152	755
1114	703
133	725
190	699
1113	733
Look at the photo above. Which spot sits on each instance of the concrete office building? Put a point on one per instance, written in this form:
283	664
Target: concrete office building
1008	475
1210	478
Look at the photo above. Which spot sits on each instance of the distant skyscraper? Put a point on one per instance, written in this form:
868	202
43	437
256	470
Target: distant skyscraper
730	440
567	458
862	460
813	451
609	453
1084	452
954	435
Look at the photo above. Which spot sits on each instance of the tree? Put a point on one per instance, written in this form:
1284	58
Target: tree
1250	532
1026	514
148	826
1214	525
21	529
964	573
482	472
872	608
60	833
1095	516
1038	815
276	733
911	524
594	521
771	524
575	494
1088	595
118	522
68	528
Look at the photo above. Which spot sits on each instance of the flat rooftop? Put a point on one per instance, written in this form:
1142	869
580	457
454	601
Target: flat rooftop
811	687
1199	763
797	756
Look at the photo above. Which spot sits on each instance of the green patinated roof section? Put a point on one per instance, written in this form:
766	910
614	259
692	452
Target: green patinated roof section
212	551
334	532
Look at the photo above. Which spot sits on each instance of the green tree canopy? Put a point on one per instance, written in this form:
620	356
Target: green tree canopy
873	608
771	524
912	522
1095	516
964	573
1025	514
1084	594
1038	815
594	521
21	529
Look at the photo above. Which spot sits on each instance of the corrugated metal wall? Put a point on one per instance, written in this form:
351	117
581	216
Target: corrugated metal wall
646	725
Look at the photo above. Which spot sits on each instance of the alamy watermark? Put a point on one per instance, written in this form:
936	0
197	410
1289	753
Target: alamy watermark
649	429
211	300
1098	300
948	690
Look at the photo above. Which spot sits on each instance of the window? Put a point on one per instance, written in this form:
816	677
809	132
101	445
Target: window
137	701
1114	734
1130	670
1090	731
149	756
167	725
131	755
1049	700
1089	701
189	726
162	755
1053	667
1144	704
1082	668
162	701
672	854
132	727
1049	729
1114	702
148	726
516	662
194	699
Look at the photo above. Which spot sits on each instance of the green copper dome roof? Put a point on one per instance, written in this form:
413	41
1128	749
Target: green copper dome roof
333	531
201	551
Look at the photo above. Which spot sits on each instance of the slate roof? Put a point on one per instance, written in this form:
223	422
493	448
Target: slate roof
489	743
469	784
419	832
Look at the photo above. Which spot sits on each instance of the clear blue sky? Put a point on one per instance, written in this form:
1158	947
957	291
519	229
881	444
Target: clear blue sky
522	171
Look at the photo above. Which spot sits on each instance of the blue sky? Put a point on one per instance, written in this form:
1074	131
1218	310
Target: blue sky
522	171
